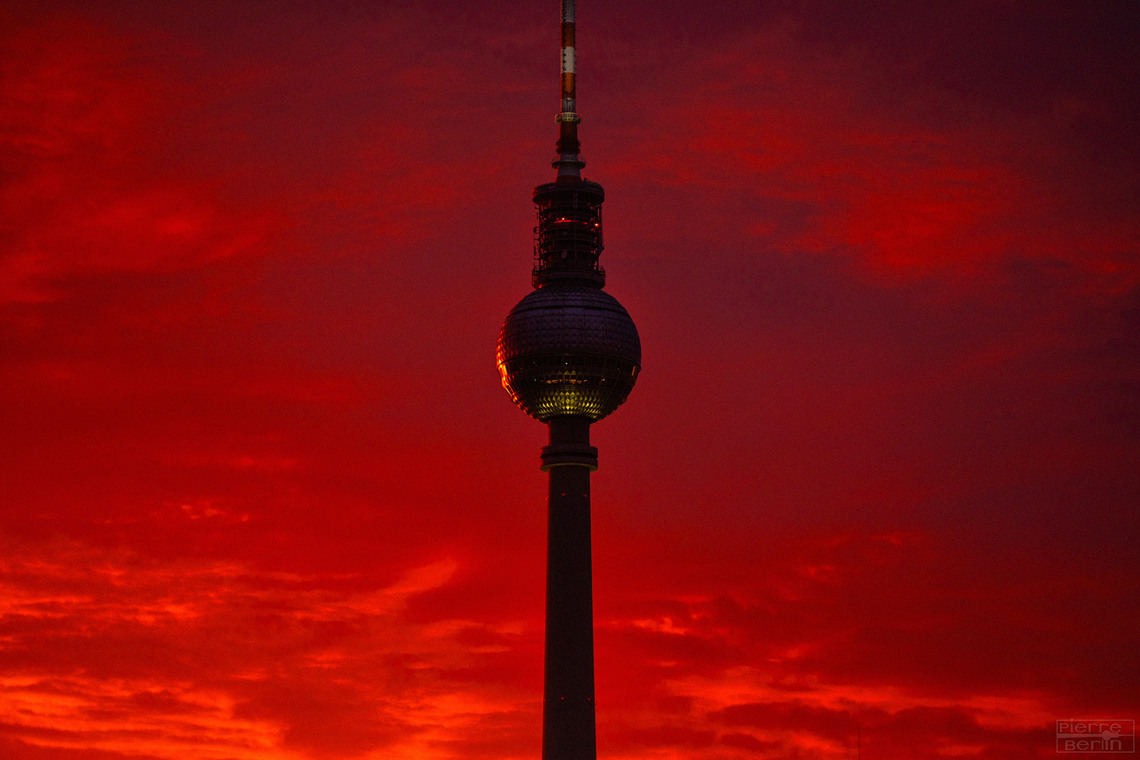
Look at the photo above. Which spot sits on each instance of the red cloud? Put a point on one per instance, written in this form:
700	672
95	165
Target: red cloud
212	657
818	151
85	144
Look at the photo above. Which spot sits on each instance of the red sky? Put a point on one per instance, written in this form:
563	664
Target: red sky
264	499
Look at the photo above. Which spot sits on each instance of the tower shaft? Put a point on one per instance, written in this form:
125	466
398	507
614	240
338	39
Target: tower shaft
568	729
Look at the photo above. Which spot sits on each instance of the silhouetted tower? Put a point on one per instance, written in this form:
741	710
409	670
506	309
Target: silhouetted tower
568	354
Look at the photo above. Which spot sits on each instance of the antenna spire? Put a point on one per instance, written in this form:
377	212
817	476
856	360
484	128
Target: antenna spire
568	162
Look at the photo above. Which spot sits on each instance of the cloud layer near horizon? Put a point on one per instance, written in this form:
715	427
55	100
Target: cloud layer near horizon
262	495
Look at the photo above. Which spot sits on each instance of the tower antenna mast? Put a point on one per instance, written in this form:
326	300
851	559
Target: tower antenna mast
568	162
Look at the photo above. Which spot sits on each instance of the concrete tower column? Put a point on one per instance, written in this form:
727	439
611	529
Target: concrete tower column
568	731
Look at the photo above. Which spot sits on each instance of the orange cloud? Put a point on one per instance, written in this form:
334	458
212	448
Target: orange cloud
213	660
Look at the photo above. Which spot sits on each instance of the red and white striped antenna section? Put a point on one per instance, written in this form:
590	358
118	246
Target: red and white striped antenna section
568	162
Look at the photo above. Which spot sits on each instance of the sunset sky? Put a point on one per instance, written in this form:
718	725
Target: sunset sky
262	496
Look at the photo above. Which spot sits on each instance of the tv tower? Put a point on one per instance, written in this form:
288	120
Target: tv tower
568	354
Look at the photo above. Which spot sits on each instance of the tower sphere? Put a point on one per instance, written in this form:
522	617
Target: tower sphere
568	350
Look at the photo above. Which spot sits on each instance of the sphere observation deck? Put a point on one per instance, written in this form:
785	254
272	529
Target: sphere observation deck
568	349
